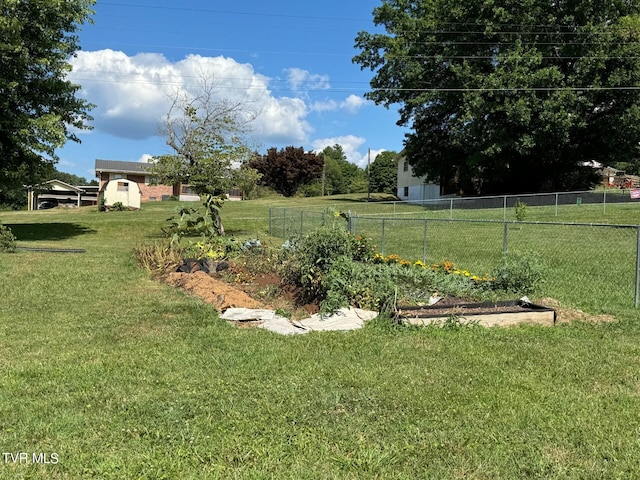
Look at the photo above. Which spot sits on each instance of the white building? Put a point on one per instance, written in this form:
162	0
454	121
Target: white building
412	188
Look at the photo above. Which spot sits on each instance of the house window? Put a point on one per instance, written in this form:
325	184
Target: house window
405	166
405	192
186	190
123	187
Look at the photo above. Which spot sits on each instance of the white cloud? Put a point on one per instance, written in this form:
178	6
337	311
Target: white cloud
349	144
283	121
351	104
301	80
132	93
325	106
145	158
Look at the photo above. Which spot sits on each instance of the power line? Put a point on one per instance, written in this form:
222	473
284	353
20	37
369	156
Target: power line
506	89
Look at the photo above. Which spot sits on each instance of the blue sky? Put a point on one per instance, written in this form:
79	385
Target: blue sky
291	58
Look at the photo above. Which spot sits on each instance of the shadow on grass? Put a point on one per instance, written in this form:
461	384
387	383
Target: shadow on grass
375	197
48	231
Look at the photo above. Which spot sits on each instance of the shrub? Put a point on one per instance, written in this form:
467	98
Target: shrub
356	284
521	273
521	211
327	265
118	207
7	239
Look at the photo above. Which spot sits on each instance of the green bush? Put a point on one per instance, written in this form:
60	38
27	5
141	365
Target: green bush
7	239
521	211
521	273
118	207
350	283
328	265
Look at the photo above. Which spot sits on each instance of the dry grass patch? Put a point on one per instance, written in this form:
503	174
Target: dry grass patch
569	314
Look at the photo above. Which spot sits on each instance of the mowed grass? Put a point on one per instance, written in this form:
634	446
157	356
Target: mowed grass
122	377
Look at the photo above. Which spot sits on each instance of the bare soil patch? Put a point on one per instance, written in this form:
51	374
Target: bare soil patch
243	289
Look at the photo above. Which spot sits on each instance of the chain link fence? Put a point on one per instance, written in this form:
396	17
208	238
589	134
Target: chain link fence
593	266
587	206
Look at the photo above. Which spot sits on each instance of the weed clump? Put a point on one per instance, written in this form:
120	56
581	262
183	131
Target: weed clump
7	240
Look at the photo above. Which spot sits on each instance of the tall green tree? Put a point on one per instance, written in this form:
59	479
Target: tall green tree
288	169
509	97
383	173
39	110
246	179
342	176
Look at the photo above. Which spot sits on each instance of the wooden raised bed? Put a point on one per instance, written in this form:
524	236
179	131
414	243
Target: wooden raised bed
487	314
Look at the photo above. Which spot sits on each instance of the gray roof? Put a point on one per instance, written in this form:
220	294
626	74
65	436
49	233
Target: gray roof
117	166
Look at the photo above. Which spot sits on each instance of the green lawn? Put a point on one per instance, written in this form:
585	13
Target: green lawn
122	377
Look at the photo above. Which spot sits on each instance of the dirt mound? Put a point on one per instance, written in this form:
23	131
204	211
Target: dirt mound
216	292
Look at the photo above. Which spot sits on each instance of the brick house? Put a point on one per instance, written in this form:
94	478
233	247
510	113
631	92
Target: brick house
138	172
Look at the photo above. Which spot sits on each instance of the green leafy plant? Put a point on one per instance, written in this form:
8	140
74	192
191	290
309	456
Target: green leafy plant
118	207
206	250
520	273
190	221
7	240
330	265
521	211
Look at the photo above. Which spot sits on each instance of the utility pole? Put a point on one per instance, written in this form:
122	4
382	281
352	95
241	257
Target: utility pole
369	175
324	163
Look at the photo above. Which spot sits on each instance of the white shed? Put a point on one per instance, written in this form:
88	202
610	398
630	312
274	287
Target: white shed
121	190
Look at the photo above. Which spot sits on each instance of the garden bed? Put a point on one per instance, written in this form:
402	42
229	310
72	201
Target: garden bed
488	314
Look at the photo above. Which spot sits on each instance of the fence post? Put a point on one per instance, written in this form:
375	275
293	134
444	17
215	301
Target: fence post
504	209
424	243
284	223
604	202
451	209
301	222
382	240
504	240
637	293
556	204
270	231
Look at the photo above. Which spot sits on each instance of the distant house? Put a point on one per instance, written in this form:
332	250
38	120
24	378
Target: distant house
410	187
56	193
139	173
